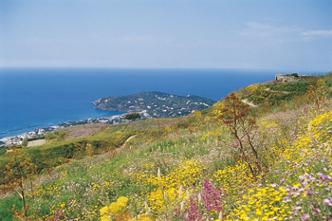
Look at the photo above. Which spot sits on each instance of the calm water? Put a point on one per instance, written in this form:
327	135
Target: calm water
32	98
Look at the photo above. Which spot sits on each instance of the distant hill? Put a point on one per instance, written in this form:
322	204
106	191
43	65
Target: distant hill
155	104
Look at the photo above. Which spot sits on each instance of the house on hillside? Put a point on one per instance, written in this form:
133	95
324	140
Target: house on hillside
287	77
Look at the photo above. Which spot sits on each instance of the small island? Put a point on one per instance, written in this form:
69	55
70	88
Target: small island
154	104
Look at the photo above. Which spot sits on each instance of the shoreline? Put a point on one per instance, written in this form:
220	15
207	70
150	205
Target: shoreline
39	133
18	130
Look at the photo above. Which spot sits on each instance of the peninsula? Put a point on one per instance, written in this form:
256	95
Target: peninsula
155	104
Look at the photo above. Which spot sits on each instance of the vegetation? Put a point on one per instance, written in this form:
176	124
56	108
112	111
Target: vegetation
132	116
277	93
57	135
230	162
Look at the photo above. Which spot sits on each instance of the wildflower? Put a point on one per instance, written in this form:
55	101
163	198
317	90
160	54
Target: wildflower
113	209
234	178
103	211
316	211
122	200
262	203
171	189
328	202
305	217
193	212
141	218
211	197
160	199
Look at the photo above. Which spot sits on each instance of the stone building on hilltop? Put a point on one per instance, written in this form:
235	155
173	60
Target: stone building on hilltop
287	77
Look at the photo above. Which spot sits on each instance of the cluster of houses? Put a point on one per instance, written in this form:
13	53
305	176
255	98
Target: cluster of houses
31	135
40	133
162	106
154	103
19	139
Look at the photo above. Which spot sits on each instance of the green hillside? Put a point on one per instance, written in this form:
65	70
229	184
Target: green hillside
262	153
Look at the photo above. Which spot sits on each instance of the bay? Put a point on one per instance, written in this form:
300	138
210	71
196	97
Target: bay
35	98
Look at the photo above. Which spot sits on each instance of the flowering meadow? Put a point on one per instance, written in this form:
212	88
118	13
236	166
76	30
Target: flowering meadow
193	169
297	187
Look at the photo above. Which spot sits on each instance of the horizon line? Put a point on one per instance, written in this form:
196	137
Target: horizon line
288	70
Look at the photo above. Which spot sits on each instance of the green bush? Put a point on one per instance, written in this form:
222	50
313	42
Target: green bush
132	116
2	151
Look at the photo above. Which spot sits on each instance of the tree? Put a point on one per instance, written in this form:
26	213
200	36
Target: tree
19	169
132	116
318	93
25	142
237	116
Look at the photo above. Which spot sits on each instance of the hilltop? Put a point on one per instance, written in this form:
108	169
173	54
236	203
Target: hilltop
155	104
262	153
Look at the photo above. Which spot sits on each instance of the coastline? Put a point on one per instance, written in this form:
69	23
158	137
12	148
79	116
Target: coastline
93	114
39	133
65	94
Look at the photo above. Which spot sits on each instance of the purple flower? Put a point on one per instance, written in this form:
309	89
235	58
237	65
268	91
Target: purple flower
324	178
309	192
305	217
211	197
193	211
316	210
286	199
328	201
296	210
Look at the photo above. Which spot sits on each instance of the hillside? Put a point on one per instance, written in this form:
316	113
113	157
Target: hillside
155	104
262	153
276	93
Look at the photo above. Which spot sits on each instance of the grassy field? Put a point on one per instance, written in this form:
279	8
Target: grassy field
189	168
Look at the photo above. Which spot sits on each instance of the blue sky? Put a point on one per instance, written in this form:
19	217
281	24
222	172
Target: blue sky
256	34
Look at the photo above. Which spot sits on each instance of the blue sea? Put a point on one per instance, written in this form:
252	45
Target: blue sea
36	98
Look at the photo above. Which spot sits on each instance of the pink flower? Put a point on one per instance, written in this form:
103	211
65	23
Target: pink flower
328	201
305	217
193	211
211	197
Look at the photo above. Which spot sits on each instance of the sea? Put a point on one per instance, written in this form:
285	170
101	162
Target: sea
33	98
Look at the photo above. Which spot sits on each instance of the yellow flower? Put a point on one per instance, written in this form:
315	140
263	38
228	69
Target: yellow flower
320	126
122	200
105	218
234	178
104	211
141	218
268	205
160	198
113	209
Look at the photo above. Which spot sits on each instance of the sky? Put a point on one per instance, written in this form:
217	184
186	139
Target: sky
252	34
